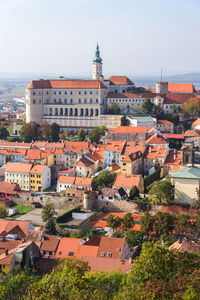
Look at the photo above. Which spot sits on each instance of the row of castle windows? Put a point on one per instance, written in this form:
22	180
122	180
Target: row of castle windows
66	101
73	112
65	93
125	100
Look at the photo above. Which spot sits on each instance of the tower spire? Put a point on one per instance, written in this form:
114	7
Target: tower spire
97	64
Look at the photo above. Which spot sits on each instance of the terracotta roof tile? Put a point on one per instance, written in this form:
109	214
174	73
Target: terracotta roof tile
196	122
50	243
66	179
120	80
66	84
130	129
181	88
127	181
18	167
67	247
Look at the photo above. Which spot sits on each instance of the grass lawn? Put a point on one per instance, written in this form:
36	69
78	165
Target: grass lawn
22	209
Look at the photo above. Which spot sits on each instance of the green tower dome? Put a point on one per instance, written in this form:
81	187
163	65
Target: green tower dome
97	58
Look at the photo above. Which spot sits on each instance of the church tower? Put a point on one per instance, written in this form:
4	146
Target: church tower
97	65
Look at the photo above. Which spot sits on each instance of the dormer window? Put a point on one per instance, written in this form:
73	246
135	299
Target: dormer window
118	249
109	254
71	254
102	253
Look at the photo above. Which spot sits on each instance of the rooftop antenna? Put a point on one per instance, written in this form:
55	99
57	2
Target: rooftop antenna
161	74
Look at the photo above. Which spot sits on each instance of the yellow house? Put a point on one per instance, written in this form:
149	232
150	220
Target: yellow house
131	164
187	185
40	178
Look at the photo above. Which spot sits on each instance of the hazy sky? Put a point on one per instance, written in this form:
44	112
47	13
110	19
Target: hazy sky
135	36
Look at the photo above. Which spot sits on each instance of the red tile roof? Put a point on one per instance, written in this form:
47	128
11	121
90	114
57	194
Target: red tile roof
178	98
50	243
127	181
155	139
107	264
191	133
174	157
8	225
164	122
111	245
120	80
18	167
130	95
174	136
181	88
196	122
130	129
66	84
66	179
9	188
86	250
66	247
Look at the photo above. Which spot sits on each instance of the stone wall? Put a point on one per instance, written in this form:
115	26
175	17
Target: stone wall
117	205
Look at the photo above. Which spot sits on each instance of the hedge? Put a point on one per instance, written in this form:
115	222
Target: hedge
151	178
67	215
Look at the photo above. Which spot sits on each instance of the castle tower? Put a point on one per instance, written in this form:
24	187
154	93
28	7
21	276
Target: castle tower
162	87
97	65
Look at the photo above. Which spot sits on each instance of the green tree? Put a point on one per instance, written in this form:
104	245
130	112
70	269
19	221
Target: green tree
81	135
134	238
161	192
147	106
45	129
147	223
191	108
114	109
30	132
134	193
127	221
55	130
3	133
183	225
16	286
113	222
48	212
163	223
104	179
95	135
3	212
50	226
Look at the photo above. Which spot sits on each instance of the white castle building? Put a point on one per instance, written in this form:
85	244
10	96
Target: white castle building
75	103
78	104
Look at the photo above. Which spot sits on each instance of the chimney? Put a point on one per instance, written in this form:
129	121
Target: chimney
174	154
149	149
6	251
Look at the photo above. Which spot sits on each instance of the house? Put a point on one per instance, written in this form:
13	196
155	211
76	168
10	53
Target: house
192	136
67	247
173	102
127	182
49	245
38	156
7	192
70	181
175	140
130	134
113	247
40	178
165	126
111	194
20	229
156	140
142	121
155	156
112	151
196	124
18	173
132	158
87	165
184	246
23	255
186	182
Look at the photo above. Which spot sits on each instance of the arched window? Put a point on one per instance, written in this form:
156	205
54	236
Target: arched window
56	111
61	112
91	112
71	112
96	112
81	112
86	112
75	112
66	112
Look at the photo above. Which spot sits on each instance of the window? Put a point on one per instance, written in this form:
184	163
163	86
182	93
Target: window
65	93
59	93
118	249
109	254
103	254
44	252
124	164
60	252
33	101
33	93
71	254
50	252
71	93
54	93
85	93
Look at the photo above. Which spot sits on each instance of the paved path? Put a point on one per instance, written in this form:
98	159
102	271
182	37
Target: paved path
33	216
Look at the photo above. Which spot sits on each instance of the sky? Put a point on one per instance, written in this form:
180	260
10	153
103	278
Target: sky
136	37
